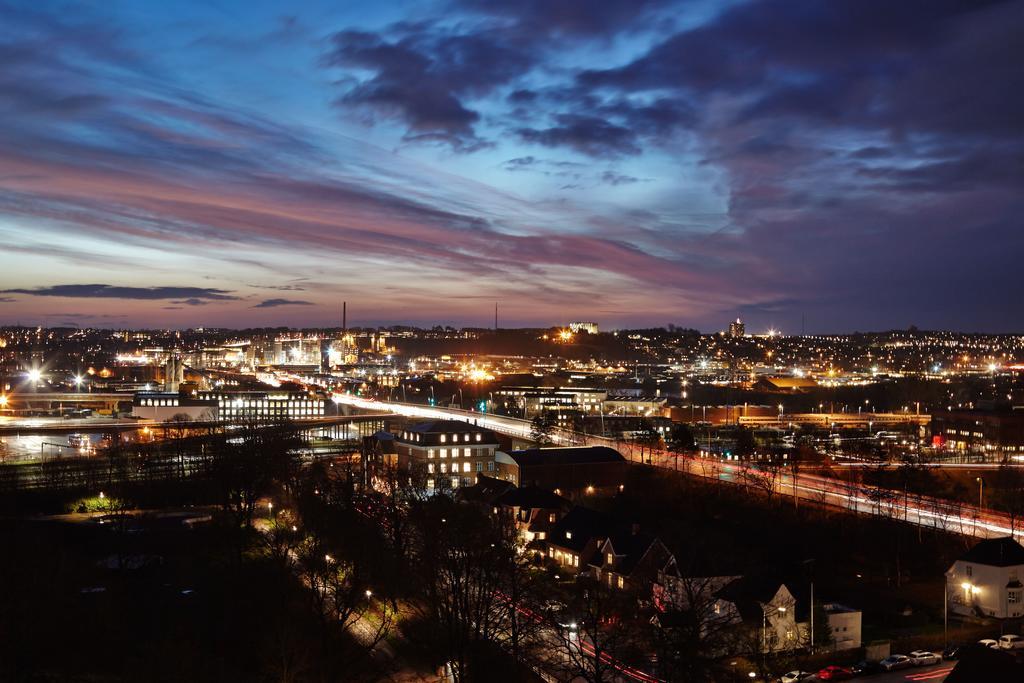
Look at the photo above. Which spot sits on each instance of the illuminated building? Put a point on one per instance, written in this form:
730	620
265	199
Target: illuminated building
164	405
980	431
588	327
986	581
737	328
235	406
229	406
582	468
446	449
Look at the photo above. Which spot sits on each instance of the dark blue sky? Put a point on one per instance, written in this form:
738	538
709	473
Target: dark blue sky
856	162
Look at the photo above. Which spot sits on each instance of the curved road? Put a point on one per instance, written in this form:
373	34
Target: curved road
925	511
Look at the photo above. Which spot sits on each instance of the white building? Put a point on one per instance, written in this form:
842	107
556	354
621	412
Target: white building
844	624
986	582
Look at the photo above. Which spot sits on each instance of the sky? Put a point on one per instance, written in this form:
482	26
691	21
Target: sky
825	166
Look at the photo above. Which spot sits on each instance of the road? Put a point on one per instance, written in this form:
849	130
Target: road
924	511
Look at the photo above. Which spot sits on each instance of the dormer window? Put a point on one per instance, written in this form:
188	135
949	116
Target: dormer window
568	534
610	558
444	438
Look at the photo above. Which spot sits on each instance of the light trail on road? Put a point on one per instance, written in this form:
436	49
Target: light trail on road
924	511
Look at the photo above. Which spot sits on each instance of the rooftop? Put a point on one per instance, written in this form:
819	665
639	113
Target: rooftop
996	552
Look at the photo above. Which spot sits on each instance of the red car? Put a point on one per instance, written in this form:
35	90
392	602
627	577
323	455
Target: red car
834	673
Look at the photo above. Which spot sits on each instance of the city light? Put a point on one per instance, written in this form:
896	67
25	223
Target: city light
34	375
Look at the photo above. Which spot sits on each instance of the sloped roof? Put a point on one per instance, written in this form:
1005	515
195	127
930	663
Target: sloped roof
750	593
532	497
486	490
996	552
631	547
582	524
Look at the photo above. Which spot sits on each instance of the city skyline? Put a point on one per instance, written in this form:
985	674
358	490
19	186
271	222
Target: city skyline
829	167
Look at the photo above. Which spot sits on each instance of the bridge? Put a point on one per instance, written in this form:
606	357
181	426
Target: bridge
16	426
852	496
30	400
836	419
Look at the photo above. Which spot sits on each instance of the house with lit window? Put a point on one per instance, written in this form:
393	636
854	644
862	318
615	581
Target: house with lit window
447	453
986	580
535	511
575	538
767	609
629	560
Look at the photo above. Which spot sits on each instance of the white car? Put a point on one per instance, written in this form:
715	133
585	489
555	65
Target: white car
795	677
1011	642
988	642
924	658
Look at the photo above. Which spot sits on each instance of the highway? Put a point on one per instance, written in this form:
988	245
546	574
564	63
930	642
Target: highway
924	511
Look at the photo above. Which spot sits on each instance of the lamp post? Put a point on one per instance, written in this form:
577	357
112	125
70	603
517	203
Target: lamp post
981	492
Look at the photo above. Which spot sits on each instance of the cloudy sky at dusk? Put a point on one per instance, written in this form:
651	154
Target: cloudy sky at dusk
234	163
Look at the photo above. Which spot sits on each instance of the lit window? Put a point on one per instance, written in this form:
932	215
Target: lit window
610	558
444	467
465	467
430	467
443	438
568	534
430	452
478	437
622	584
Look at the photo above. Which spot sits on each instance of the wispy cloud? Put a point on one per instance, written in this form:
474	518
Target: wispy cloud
195	295
274	303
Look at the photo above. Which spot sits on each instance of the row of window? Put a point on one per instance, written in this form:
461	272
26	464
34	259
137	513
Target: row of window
466	452
456	482
466	467
158	402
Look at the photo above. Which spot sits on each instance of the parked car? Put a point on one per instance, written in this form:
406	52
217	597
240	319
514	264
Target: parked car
866	668
795	676
952	651
894	662
988	642
835	673
924	658
1011	642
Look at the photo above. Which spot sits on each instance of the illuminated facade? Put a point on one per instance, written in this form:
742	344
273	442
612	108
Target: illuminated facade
448	450
986	581
237	406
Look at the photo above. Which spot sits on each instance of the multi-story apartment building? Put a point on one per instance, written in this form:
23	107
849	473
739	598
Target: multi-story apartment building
449	453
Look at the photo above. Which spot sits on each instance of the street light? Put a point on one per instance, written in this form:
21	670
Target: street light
981	491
